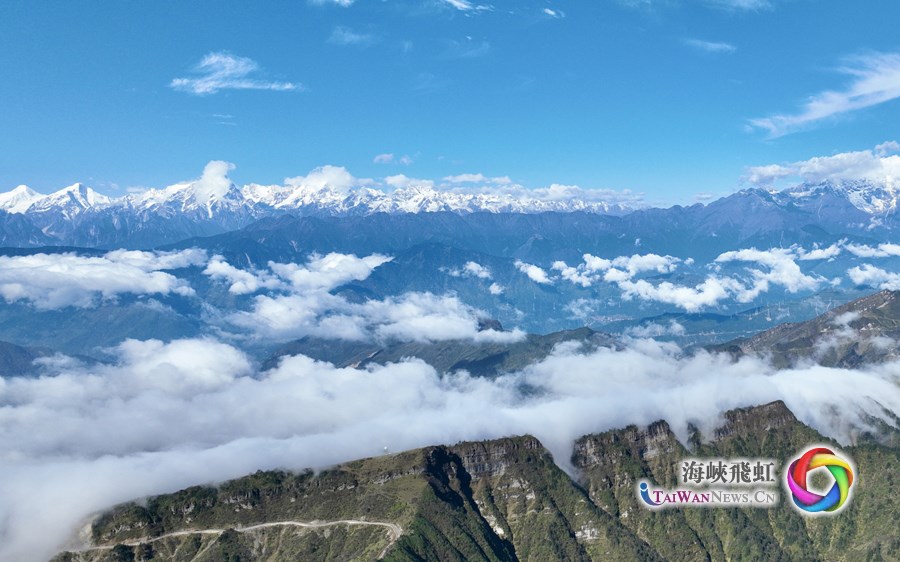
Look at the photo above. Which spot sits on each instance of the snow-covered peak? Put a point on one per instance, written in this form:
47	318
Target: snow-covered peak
190	197
869	196
19	199
74	198
269	195
212	189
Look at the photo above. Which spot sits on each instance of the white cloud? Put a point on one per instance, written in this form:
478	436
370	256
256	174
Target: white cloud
884	250
533	272
334	177
728	5
574	275
158	260
327	272
887	148
342	3
478	178
388	158
711	46
560	192
300	303
420	317
817	253
401	181
875	80
471	269
82	438
426	317
342	35
496	289
783	271
224	71
242	282
655	330
467	6
556	14
708	293
868	274
585	310
877	165
842	335
477	270
618	269
214	182
740	4
60	280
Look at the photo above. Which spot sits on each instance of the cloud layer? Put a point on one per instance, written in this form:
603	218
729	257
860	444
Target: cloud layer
167	415
299	301
51	281
880	164
740	275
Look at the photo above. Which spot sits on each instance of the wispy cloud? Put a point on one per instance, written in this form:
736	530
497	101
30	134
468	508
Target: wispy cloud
556	14
466	6
388	158
224	71
740	4
478	178
342	3
730	5
710	46
875	80
345	36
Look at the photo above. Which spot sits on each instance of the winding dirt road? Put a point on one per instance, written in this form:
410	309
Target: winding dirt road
394	530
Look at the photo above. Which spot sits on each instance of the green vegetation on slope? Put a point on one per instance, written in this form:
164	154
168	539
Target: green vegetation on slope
506	500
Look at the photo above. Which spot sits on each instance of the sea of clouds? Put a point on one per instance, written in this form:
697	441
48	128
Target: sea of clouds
164	415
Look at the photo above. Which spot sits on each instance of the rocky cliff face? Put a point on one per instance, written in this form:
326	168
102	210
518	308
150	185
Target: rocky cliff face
508	500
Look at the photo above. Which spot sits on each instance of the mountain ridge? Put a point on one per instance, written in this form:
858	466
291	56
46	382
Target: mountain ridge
506	499
78	215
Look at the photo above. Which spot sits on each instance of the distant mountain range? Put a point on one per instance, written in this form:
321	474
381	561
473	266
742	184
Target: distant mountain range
77	215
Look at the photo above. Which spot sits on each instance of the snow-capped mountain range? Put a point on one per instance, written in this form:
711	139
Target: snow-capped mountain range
78	215
193	196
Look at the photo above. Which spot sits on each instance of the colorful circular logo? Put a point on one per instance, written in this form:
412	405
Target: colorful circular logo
810	501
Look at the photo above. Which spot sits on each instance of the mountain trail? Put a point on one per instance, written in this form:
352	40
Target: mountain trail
393	529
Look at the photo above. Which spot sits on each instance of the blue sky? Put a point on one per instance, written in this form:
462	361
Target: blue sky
666	97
